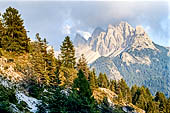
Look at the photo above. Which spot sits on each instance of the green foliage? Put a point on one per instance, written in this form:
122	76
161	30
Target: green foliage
58	102
51	66
68	53
155	76
142	97
14	37
168	106
161	99
93	79
83	85
7	96
43	62
81	100
105	107
82	65
126	93
103	81
4	107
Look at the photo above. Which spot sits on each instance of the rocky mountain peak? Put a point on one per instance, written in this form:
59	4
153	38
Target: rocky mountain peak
97	32
79	40
116	39
139	30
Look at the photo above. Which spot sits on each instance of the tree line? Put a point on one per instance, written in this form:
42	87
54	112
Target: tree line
69	84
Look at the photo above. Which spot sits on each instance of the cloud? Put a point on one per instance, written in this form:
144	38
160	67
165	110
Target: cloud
66	29
86	35
151	14
54	20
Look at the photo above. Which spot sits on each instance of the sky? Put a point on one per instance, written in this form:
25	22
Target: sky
55	20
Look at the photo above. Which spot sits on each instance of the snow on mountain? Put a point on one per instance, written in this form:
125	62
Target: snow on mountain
120	37
90	55
79	40
113	41
122	51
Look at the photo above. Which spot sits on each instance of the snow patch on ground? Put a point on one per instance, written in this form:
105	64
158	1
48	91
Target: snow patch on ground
31	102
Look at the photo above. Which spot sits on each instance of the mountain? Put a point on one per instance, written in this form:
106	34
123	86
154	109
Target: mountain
129	53
80	41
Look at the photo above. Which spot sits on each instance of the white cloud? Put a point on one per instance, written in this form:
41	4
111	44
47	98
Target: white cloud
86	35
66	29
147	28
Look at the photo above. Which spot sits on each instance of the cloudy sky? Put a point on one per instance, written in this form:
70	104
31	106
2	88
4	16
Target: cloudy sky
56	19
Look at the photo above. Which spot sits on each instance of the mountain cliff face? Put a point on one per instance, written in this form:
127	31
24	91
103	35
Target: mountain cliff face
129	53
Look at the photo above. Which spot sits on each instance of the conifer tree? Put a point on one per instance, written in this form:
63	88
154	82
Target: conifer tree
51	66
82	65
81	100
125	90
152	107
68	53
168	106
57	72
38	59
160	97
103	81
93	79
133	90
120	96
112	85
14	36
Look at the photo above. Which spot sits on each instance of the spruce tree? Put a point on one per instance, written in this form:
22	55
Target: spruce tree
112	85
38	59
51	66
125	90
103	81
82	65
81	100
93	79
14	36
68	53
160	97
168	106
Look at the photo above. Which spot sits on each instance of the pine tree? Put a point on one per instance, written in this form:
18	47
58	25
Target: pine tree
81	100
51	66
120	96
14	36
57	103
160	97
39	60
125	90
68	53
112	85
133	92
82	65
103	81
93	79
57	72
152	107
168	106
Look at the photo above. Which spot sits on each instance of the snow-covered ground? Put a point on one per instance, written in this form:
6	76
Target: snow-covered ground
31	102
